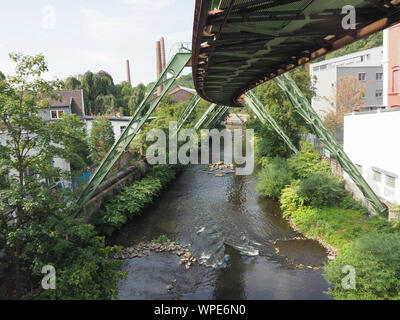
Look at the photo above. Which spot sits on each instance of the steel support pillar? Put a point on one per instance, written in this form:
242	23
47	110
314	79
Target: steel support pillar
264	116
218	113
188	111
304	108
142	113
203	118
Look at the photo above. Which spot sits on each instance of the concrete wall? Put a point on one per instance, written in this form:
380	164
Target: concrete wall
371	141
111	187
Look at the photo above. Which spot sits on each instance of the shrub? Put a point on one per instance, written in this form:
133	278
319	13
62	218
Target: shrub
349	203
290	200
307	161
101	138
131	200
321	189
273	178
376	259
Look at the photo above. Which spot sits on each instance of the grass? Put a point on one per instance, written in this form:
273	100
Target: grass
337	226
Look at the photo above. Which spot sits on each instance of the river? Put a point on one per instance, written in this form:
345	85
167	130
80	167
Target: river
232	231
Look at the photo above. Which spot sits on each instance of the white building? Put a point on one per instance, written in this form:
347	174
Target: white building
370	141
367	65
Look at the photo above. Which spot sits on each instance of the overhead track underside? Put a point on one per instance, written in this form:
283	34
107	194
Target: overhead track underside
239	44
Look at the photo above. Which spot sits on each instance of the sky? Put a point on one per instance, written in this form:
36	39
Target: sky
80	35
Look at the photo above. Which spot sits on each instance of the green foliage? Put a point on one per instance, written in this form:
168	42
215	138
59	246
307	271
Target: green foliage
101	138
131	200
161	239
376	259
349	203
321	189
290	199
102	96
2	76
36	224
70	131
273	178
185	81
269	143
373	41
306	162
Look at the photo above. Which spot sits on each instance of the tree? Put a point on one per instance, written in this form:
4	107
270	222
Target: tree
36	223
71	132
72	83
26	151
269	143
101	138
2	76
348	94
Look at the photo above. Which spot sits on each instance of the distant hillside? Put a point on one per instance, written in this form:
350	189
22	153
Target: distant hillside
373	41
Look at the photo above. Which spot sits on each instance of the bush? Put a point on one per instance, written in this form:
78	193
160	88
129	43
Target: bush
321	189
349	203
131	200
376	259
307	161
290	200
273	178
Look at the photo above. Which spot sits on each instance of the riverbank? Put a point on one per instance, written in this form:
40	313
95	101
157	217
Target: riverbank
316	205
231	230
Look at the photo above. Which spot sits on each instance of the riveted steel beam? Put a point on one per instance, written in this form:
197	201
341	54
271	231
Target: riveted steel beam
304	108
142	113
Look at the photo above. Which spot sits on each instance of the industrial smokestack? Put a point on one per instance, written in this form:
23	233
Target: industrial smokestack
163	60
128	72
159	64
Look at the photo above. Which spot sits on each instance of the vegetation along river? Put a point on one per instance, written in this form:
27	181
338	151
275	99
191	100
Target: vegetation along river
232	231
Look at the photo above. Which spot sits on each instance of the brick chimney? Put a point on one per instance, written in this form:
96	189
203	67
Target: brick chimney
159	64
163	62
128	72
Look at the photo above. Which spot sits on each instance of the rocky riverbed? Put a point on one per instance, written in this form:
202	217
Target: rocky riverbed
141	249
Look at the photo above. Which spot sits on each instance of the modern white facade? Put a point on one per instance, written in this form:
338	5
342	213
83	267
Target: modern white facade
118	124
329	71
370	141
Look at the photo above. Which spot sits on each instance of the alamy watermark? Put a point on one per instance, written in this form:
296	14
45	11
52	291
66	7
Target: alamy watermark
166	151
49	280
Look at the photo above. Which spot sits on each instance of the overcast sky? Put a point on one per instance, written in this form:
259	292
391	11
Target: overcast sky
80	35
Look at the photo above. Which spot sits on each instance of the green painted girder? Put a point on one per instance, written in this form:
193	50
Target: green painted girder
246	43
142	113
204	116
218	114
304	108
264	116
188	111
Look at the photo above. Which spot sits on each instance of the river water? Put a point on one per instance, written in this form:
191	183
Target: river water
232	231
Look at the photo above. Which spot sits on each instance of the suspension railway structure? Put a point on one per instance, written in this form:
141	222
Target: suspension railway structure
240	44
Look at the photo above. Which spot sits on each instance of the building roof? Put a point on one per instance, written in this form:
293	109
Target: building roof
70	98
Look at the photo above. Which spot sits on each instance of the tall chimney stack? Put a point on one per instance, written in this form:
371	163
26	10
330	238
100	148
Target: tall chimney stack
128	72
163	60
159	64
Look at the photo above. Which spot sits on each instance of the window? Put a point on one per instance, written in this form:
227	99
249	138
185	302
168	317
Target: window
56	114
379	76
359	168
122	129
361	76
323	67
390	181
377	176
378	93
315	68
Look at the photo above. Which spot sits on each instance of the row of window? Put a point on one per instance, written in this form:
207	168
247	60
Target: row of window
343	62
362	76
378	176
